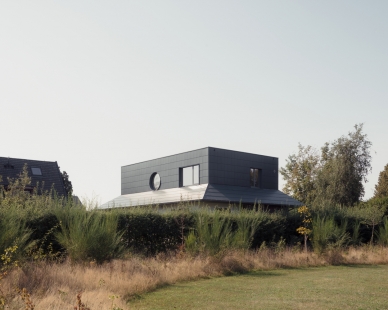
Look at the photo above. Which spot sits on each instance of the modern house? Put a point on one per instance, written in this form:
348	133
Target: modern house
211	176
44	174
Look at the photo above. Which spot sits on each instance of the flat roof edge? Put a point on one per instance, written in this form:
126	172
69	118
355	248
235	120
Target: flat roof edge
207	147
144	161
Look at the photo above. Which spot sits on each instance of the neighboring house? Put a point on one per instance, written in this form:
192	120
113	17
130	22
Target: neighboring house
44	174
212	176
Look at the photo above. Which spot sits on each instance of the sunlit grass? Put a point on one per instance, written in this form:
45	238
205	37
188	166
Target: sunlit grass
344	287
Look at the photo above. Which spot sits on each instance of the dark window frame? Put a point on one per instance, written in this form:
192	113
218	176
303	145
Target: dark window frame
193	175
255	183
152	181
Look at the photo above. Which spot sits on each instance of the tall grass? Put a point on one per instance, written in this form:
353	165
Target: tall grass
89	235
212	233
355	237
217	231
247	222
382	233
55	286
327	234
13	232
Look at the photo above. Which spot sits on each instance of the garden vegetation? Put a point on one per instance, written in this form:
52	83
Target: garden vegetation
56	253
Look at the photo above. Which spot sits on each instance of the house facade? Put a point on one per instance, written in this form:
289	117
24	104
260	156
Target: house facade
44	175
211	176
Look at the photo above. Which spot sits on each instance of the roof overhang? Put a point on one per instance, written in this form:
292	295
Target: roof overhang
204	193
173	195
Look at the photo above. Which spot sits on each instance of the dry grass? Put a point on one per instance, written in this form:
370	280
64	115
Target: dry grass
55	286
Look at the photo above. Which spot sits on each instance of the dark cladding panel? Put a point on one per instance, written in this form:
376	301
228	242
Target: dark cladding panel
216	166
135	178
222	161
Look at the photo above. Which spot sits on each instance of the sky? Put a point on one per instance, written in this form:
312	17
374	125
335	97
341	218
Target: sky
96	85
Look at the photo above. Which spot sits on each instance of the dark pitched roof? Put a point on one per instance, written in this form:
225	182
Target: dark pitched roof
51	175
235	194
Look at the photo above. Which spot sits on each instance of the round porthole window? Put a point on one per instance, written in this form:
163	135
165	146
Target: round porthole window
155	181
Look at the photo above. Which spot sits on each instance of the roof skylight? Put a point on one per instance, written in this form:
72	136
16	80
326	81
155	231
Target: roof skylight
36	171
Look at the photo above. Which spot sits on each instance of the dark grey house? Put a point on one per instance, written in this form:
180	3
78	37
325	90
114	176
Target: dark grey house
210	175
44	174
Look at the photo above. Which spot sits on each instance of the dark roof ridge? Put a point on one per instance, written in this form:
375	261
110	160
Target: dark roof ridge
44	161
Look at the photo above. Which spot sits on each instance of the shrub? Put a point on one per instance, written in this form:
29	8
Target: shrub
328	235
13	232
218	230
247	224
89	235
148	232
382	234
213	232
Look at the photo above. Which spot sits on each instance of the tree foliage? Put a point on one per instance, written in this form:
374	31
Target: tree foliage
305	229
345	165
300	174
335	176
15	194
372	214
67	183
381	188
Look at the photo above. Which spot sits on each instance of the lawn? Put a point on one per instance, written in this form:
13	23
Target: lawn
342	287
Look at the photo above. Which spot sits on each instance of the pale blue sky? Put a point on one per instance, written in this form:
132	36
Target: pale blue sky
96	85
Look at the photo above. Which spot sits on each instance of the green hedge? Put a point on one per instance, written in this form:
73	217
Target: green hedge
150	231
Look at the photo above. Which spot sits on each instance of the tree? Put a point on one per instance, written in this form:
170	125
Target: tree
335	176
305	229
300	174
67	183
345	165
381	188
372	214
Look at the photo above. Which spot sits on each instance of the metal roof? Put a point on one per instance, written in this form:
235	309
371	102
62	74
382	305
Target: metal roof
172	195
205	193
249	195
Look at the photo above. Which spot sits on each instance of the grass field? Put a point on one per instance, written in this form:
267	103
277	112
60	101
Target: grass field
342	287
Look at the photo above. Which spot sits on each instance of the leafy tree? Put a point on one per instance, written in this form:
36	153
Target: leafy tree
371	214
305	229
67	183
381	188
345	165
300	174
335	176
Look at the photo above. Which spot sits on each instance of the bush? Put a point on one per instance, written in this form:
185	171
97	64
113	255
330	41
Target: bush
327	234
218	230
13	232
213	232
382	234
248	223
148	232
89	235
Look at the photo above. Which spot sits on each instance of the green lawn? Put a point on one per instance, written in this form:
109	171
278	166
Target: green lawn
344	287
